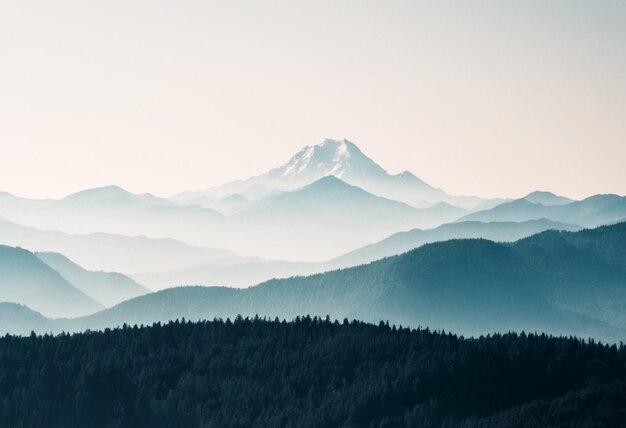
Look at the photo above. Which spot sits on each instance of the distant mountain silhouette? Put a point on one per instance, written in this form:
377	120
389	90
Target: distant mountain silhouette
110	210
108	288
327	200
344	160
547	198
320	220
404	241
102	251
108	195
243	272
21	320
330	213
590	212
236	272
26	279
556	282
330	196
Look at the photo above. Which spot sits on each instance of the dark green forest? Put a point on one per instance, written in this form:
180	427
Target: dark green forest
307	373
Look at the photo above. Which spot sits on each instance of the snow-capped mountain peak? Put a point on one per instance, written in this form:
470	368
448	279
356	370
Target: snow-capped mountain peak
344	160
339	158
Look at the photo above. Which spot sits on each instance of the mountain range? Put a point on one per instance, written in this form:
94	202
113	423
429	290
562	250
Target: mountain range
325	218
505	231
108	288
243	272
111	210
344	160
547	198
111	252
330	231
330	217
566	283
589	212
327	200
54	285
26	279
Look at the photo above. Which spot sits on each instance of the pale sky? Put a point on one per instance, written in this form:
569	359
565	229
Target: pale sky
493	98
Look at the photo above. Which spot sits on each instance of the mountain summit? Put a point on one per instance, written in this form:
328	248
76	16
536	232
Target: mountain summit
344	160
338	158
547	198
113	193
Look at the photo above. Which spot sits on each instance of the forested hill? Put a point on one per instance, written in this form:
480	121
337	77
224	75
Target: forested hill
560	283
556	282
307	373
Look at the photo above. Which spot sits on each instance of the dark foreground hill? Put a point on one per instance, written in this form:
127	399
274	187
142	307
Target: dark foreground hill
307	373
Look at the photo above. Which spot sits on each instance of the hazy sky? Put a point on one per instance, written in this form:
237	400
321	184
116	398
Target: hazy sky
495	98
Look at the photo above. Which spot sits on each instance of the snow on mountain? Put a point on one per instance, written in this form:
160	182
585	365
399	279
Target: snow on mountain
344	160
341	159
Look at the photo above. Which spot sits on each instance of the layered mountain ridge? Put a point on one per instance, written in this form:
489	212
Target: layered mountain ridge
344	160
330	206
564	283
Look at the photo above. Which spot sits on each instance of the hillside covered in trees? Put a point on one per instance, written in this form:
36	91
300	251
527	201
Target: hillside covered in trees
310	372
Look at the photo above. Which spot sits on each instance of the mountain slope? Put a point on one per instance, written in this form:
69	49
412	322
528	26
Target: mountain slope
110	210
547	198
405	241
108	288
470	286
21	320
113	195
584	271
102	251
515	211
330	197
244	272
341	159
235	272
27	280
566	283
323	219
308	373
344	160
329	217
590	212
